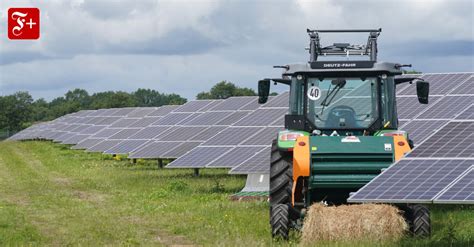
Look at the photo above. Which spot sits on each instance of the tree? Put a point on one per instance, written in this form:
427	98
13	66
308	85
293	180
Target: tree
16	111
111	99
79	97
224	90
148	97
40	110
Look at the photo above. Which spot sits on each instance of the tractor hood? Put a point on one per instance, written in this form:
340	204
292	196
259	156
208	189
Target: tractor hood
348	161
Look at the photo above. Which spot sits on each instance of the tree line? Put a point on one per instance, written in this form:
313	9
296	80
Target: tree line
20	110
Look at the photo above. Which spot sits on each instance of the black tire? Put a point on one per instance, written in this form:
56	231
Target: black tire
281	173
280	221
418	218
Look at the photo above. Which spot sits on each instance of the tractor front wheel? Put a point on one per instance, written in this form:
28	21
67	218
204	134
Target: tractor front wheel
418	218
280	220
281	173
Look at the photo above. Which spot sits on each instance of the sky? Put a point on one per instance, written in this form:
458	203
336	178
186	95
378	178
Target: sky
186	47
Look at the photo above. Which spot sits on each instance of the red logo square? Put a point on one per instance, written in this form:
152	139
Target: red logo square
23	23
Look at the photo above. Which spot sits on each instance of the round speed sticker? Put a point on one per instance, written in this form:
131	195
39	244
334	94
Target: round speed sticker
314	93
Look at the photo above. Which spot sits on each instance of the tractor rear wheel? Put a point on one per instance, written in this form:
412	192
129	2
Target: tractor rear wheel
280	220
418	218
281	173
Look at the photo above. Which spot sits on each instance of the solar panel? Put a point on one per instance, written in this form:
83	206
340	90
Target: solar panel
121	112
234	157
233	118
163	110
279	101
95	120
71	127
64	136
412	181
144	122
264	137
207	133
123	134
181	133
443	83
105	133
87	143
466	87
211	105
455	139
172	118
419	130
232	136
262	117
447	107
141	112
252	106
461	191
259	163
75	139
190	118
125	147
92	129
152	150
98	112
108	120
468	113
440	84
180	150
409	107
103	145
124	122
83	120
198	157
233	103
193	106
55	134
208	118
149	133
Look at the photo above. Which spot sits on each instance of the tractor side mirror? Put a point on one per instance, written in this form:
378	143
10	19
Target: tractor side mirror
422	91
263	91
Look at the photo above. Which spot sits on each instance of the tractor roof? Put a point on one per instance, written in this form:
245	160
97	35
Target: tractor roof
346	66
343	67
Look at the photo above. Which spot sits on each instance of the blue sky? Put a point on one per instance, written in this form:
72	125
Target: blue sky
185	47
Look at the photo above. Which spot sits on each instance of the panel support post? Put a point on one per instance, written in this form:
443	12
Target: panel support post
196	172
160	163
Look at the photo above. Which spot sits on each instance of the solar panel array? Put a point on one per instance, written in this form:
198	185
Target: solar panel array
236	133
440	168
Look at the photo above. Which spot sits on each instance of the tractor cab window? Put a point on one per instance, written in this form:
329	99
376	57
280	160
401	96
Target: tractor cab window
342	103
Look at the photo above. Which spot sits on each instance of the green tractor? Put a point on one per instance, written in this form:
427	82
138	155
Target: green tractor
341	130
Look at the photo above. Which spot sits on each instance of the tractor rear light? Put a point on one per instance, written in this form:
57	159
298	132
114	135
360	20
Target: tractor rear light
395	133
302	144
290	136
401	143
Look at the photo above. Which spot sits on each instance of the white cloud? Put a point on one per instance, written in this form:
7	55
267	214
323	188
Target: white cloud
187	46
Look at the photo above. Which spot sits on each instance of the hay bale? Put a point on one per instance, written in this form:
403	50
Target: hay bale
364	222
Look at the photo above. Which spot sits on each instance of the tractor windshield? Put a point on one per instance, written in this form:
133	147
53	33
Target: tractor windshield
342	103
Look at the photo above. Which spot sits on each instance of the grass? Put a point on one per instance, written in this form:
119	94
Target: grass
51	195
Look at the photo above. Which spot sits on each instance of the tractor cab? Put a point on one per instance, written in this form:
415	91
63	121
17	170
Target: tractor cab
341	128
349	97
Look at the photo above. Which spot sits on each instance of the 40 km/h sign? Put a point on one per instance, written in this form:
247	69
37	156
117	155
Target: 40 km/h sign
314	93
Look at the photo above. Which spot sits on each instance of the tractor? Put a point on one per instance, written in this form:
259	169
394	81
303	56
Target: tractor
340	132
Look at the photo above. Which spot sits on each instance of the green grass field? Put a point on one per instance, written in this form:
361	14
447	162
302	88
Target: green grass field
50	195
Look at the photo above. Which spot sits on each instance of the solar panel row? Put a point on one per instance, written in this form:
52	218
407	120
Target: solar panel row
440	167
199	124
